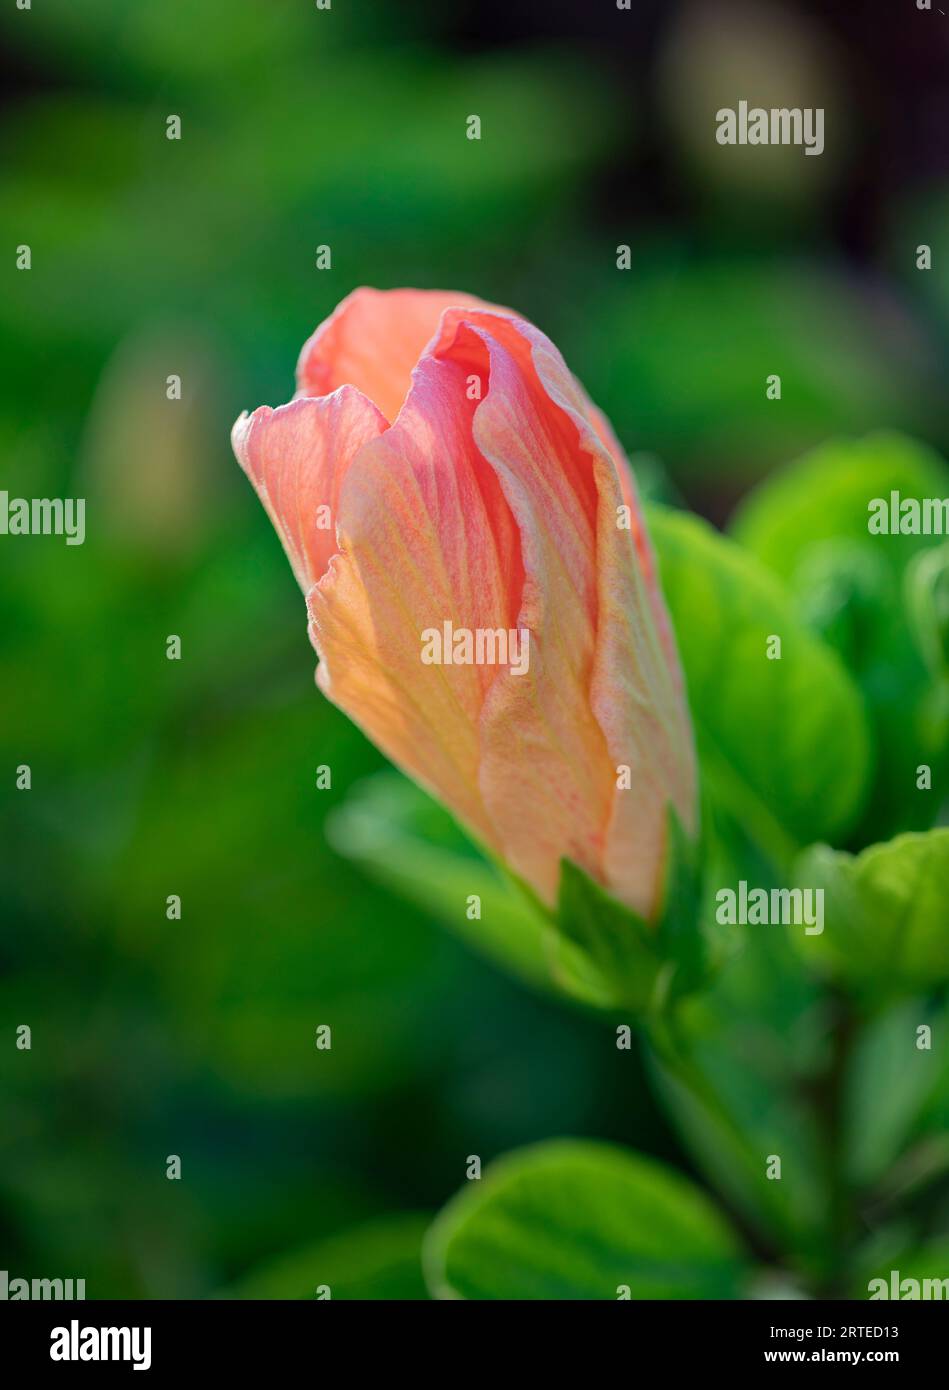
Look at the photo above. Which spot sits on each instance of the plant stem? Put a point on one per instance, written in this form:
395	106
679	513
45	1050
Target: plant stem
678	1060
830	1103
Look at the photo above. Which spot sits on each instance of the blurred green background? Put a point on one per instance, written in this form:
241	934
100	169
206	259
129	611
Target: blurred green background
196	257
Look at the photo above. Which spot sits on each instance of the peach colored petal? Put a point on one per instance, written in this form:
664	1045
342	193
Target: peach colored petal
635	692
372	340
425	536
644	551
296	457
519	336
602	691
544	770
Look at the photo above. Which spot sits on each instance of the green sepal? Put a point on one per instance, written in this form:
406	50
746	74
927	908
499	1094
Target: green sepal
642	964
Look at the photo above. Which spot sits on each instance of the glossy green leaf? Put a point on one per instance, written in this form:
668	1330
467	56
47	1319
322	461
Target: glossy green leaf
783	743
573	1220
826	496
876	598
885	913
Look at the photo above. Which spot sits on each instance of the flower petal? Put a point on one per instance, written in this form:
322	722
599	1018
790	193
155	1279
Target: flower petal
644	550
601	692
425	537
372	340
296	457
636	686
491	502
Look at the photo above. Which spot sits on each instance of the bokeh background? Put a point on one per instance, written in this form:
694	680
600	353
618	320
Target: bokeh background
198	778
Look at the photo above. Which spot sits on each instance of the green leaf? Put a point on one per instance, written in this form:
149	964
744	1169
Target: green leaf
884	914
612	935
889	1080
642	964
380	1260
679	938
826	494
876	598
783	743
575	1220
411	844
594	948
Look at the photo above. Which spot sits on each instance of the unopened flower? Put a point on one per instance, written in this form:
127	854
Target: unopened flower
481	589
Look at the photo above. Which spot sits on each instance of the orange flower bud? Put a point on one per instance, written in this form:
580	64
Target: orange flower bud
481	588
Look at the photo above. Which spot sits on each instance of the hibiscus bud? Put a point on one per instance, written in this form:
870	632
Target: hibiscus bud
481	588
